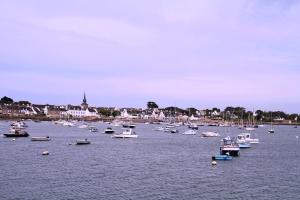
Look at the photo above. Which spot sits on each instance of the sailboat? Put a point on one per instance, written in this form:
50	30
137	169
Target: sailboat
271	130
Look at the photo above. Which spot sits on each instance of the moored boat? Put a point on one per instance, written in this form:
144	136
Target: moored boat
222	157
210	134
127	133
93	129
241	141
108	130
193	126
16	133
249	139
83	126
190	132
229	146
82	142
174	131
47	138
271	130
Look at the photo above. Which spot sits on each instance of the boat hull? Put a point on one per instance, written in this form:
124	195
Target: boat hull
40	139
124	136
109	132
16	135
244	145
221	157
232	151
82	143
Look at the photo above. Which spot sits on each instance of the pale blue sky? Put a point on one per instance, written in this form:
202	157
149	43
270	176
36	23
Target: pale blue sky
124	53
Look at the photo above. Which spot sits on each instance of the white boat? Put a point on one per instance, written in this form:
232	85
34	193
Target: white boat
249	139
190	132
47	138
83	126
229	147
210	134
82	142
127	133
19	125
249	129
109	130
159	128
93	129
241	141
69	124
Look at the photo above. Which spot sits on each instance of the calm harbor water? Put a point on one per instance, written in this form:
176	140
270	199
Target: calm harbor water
157	165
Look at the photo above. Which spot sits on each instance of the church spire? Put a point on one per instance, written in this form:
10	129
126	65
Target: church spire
84	104
84	98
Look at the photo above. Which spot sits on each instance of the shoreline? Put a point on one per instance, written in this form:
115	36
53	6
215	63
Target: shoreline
105	119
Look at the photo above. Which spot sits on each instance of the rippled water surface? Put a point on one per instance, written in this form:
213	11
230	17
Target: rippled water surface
157	165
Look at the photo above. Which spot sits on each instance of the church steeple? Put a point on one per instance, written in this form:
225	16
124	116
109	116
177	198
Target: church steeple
84	104
84	98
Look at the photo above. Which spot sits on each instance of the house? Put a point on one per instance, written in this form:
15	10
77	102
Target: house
55	111
82	111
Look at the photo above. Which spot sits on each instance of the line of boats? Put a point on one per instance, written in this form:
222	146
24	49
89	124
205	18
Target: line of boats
230	146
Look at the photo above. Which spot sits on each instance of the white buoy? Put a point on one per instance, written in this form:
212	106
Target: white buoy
297	137
13	139
214	162
45	153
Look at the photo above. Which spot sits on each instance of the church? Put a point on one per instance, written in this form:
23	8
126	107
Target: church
82	111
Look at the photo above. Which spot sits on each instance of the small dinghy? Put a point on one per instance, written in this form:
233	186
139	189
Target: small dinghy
222	157
47	138
82	142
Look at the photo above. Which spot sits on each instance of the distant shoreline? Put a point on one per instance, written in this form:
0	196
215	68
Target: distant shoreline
105	119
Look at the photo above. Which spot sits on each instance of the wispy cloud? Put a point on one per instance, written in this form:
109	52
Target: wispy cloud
243	52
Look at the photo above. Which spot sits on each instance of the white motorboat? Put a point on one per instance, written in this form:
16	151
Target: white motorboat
190	132
210	134
82	142
83	126
69	124
249	139
229	147
249	128
241	141
159	128
19	125
108	130
127	133
47	138
14	132
93	129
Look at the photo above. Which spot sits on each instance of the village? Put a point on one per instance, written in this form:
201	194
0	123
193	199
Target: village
27	110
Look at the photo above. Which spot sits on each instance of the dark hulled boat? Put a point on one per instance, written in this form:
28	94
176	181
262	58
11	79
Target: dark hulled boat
229	147
16	133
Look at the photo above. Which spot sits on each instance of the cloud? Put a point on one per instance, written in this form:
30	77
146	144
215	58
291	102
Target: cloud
193	51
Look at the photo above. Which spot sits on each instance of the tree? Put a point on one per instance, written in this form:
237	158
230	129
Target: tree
116	113
104	112
191	111
6	100
151	105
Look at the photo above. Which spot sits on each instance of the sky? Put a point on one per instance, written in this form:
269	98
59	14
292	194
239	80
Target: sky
123	53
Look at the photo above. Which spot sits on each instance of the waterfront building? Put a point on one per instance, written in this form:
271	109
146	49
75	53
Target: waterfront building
82	111
55	111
